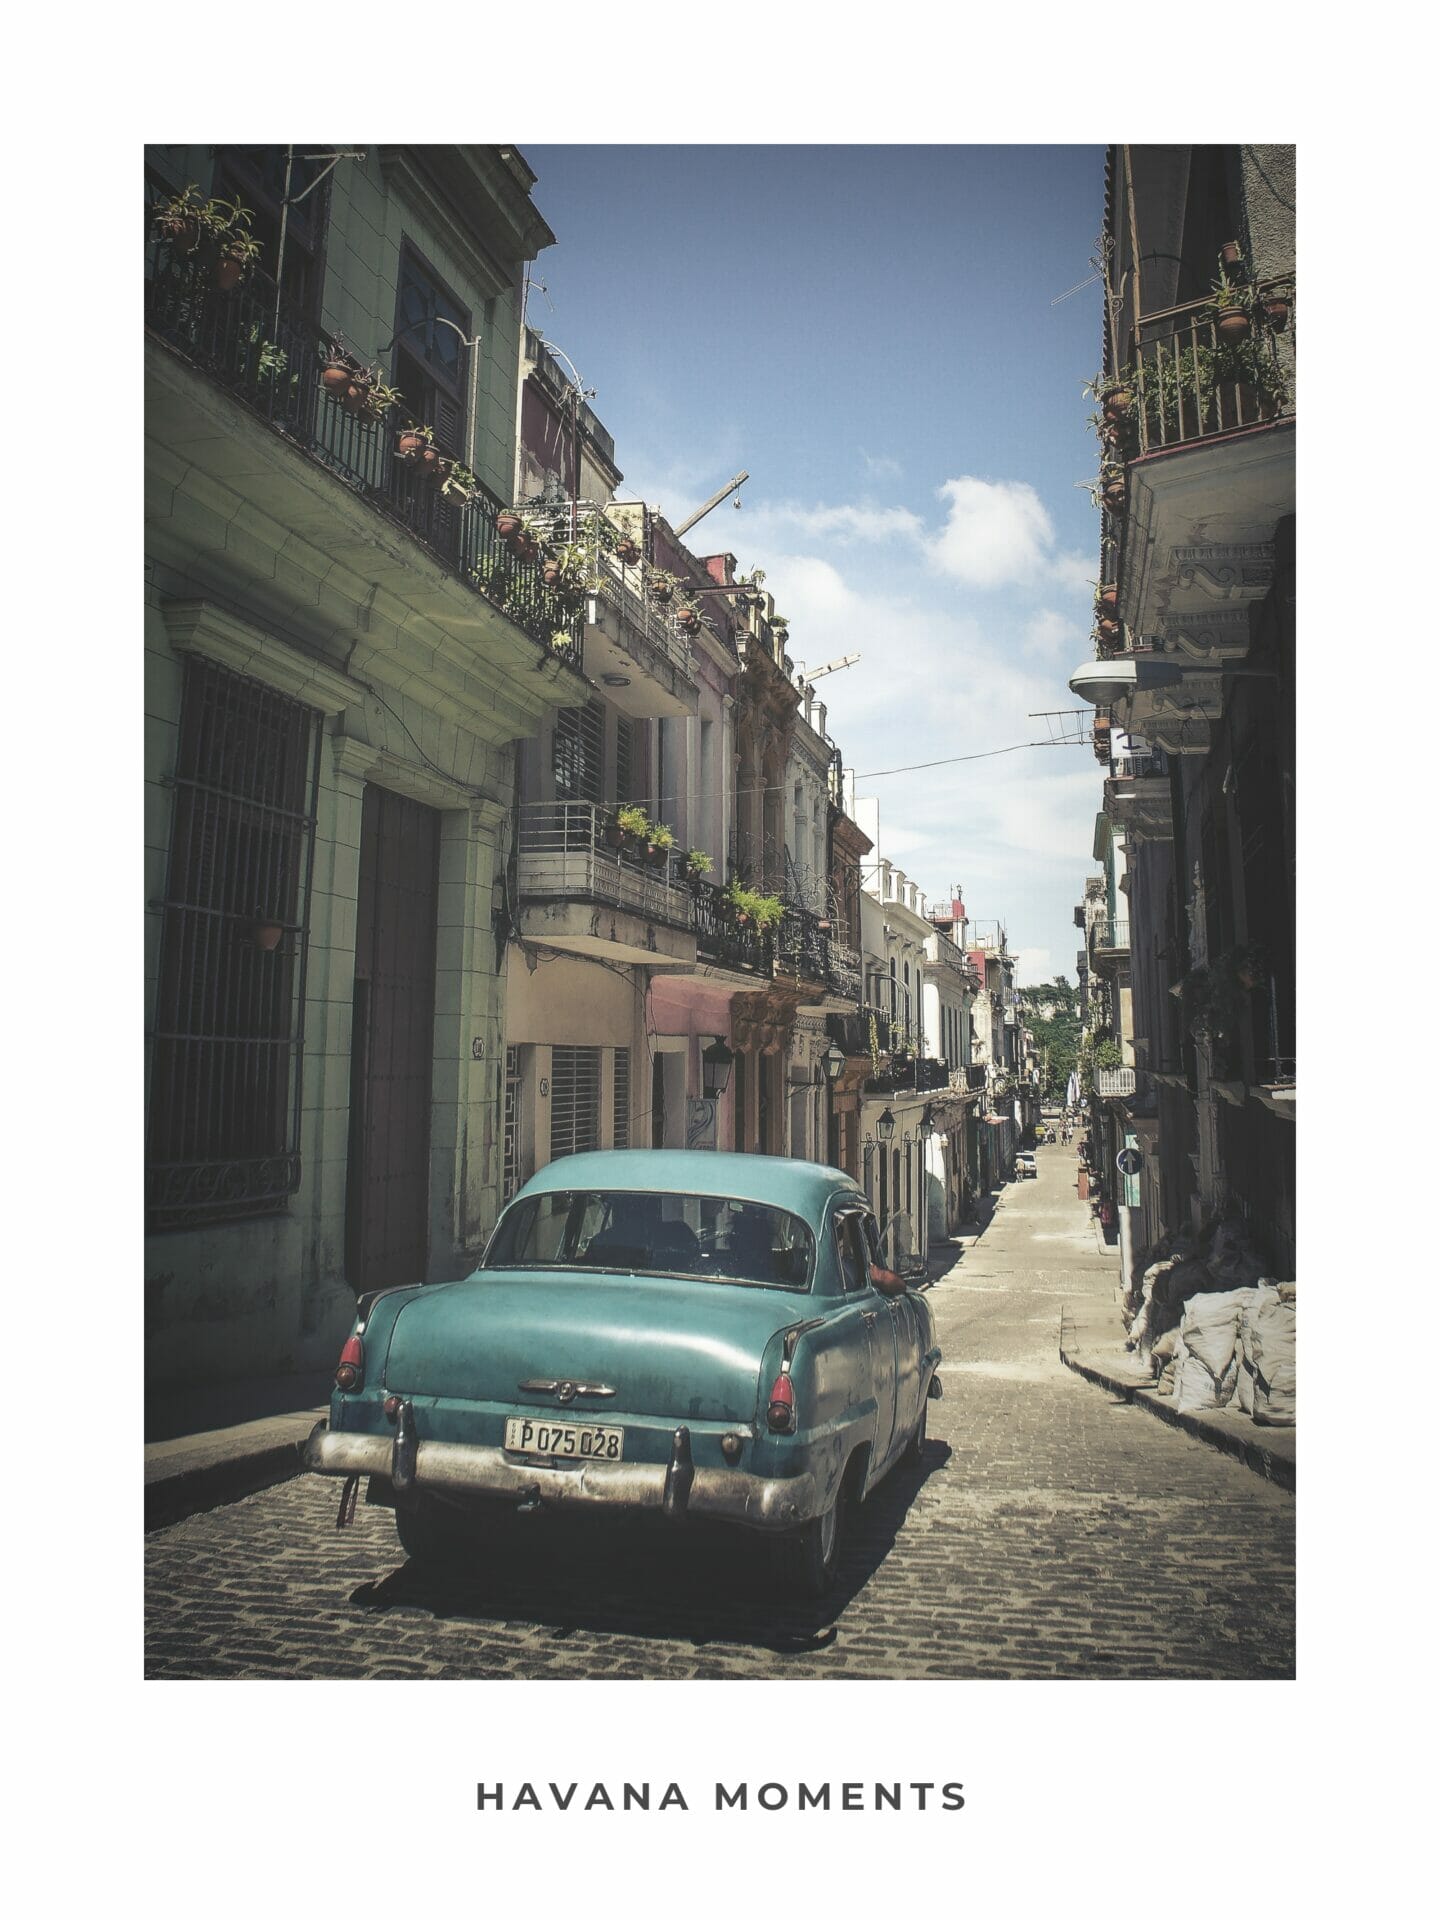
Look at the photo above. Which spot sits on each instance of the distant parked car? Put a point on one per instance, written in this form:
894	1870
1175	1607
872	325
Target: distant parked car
1024	1166
710	1335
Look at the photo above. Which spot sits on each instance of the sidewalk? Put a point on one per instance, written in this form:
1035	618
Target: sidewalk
215	1445
1092	1344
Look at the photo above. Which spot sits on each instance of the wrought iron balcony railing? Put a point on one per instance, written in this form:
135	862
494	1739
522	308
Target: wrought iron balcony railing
1114	1083
1112	936
807	948
724	940
1192	383
260	348
563	855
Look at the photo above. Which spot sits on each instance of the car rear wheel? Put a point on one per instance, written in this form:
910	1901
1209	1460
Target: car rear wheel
915	1453
809	1556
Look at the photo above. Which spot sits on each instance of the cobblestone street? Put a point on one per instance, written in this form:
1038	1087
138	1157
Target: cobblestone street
1053	1531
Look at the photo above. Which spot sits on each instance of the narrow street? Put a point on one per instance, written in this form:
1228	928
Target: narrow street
1053	1532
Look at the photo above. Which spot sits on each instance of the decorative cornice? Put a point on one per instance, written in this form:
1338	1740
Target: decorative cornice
199	626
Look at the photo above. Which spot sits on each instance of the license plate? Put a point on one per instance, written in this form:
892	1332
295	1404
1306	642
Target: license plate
564	1440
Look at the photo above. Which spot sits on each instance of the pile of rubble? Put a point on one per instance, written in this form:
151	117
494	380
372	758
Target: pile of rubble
1214	1327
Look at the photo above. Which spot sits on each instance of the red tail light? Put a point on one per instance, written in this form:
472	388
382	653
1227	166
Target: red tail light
351	1371
780	1414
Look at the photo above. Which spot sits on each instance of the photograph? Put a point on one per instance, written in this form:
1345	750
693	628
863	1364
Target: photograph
719	734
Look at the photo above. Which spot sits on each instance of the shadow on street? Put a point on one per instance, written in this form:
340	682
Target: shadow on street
696	1584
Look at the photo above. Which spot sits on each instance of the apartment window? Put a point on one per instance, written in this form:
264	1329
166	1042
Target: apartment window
256	176
624	762
620	1124
430	366
574	1100
222	1140
578	753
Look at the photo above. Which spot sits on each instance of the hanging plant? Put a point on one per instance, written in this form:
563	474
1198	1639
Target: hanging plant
697	863
657	847
183	222
459	484
627	551
1107	600
688	620
662	586
1232	311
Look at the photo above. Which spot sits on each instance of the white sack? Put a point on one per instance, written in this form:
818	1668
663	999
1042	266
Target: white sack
1211	1325
1197	1389
1268	1346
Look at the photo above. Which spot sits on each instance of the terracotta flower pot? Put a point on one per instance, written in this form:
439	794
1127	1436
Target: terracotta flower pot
229	272
553	573
432	465
612	834
507	525
336	381
1232	323
661	591
1108	629
1277	314
409	445
1108	599
1117	403
182	231
357	398
1113	495
1230	255
525	546
628	553
266	935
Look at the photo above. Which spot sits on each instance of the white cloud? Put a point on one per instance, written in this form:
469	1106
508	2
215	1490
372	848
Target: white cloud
997	532
1051	636
880	466
862	521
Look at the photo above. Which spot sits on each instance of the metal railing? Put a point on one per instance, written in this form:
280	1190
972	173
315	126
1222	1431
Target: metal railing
727	941
1112	935
807	948
642	621
565	854
1191	383
1138	766
1114	1083
258	346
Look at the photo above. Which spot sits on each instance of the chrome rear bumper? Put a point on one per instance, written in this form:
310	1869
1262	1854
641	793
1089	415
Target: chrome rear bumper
677	1489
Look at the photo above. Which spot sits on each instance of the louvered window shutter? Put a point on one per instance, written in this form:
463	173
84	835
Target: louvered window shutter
574	1100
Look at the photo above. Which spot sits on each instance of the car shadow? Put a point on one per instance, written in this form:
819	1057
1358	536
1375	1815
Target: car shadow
694	1583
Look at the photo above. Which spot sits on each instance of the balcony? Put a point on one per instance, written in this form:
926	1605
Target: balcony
1137	798
1209	472
1110	939
806	948
634	644
269	356
581	896
723	941
1114	1083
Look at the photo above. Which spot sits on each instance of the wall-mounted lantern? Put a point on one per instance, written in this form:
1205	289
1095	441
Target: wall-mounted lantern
716	1060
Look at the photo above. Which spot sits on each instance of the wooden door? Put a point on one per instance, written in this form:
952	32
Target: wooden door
392	1043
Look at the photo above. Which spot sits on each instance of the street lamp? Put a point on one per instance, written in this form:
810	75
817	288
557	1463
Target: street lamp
716	1060
833	1061
927	1125
885	1125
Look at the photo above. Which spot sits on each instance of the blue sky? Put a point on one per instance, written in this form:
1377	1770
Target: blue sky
873	333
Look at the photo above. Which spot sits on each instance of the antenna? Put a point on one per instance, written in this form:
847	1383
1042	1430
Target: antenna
831	666
1068	726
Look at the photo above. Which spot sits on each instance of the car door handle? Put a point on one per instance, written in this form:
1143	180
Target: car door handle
869	1318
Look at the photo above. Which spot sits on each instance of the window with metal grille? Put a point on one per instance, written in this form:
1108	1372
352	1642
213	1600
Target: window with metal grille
577	752
621	1115
222	1139
574	1100
511	1172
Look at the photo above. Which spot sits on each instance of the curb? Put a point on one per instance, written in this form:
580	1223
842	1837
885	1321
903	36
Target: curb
199	1489
1254	1453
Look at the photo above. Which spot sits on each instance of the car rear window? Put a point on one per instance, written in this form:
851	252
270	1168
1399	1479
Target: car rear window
695	1236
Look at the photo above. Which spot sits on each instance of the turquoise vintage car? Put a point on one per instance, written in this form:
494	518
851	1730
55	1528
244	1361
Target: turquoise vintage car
698	1335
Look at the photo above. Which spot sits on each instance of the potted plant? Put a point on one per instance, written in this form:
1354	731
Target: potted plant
627	551
1275	308
265	933
662	586
566	569
1112	490
611	831
562	644
1232	314
657	847
688	620
412	441
1107	599
1230	256
1114	391
458	482
239	250
633	822
183	221
697	863
340	372
1107	628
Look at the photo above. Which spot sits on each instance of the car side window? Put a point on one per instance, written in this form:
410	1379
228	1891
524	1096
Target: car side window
872	1241
850	1242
